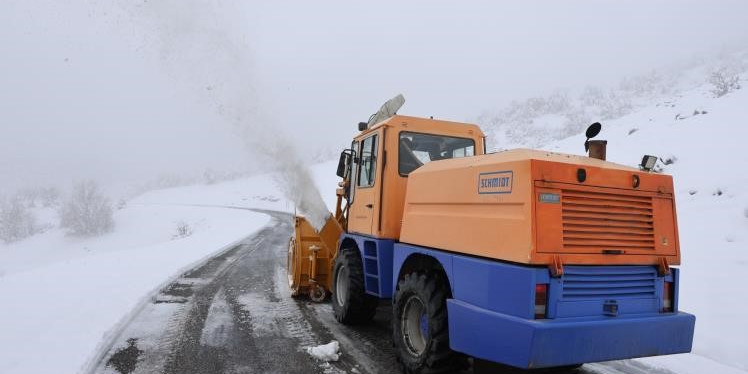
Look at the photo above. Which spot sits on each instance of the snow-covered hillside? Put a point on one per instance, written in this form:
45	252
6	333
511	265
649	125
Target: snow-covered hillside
538	121
700	138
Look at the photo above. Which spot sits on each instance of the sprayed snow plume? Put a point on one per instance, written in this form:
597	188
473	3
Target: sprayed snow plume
202	54
297	183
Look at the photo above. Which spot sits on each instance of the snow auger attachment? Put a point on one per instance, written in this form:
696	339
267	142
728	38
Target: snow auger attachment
310	258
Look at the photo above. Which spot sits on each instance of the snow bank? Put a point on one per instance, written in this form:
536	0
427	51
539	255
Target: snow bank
62	295
326	352
260	192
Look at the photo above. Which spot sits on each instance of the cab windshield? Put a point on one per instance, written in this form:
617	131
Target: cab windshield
417	149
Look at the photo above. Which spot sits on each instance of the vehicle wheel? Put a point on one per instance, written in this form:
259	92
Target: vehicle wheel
420	330
317	293
350	302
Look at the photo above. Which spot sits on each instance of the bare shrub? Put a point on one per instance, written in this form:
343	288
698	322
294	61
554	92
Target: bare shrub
16	220
592	96
44	196
615	105
27	197
210	176
651	83
724	81
87	212
183	230
576	121
49	196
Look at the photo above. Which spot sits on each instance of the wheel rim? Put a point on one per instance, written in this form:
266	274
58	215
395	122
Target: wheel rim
290	264
341	285
415	326
317	294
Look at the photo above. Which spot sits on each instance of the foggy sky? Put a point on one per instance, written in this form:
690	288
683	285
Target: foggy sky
90	90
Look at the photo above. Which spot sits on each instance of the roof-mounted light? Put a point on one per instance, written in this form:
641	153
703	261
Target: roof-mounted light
648	162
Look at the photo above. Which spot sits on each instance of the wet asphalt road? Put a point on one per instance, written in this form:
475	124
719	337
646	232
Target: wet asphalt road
234	314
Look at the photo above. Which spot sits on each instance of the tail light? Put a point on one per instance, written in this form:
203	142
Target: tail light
541	301
667	297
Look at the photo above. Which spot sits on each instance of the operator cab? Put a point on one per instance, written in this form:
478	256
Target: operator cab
383	155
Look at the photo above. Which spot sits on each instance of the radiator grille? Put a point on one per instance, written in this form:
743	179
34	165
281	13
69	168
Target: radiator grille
607	221
609	282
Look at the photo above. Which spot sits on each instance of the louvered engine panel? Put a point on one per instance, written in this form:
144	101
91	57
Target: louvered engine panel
595	220
608	282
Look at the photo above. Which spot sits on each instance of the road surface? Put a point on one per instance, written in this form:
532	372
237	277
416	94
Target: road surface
234	314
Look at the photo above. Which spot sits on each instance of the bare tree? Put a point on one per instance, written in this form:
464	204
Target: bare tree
183	230
16	220
87	212
724	81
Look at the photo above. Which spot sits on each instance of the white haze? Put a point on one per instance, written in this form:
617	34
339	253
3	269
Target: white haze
196	45
124	91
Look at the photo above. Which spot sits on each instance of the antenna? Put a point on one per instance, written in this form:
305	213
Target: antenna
388	109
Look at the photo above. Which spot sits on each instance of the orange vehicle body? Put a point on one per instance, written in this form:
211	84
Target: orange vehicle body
387	195
541	213
604	219
522	206
310	257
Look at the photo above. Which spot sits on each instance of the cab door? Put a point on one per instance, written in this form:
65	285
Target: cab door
366	185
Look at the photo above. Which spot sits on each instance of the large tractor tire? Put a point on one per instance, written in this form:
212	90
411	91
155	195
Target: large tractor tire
419	325
350	302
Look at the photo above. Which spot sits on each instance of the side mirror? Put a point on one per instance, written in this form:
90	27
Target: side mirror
344	162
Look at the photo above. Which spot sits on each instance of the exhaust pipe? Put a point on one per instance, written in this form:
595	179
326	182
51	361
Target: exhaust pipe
598	149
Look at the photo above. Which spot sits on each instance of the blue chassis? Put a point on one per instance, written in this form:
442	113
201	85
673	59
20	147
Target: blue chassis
491	314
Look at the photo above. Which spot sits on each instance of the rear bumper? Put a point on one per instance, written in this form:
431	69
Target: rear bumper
546	343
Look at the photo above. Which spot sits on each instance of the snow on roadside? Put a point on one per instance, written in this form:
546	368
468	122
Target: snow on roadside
325	352
62	295
61	311
690	364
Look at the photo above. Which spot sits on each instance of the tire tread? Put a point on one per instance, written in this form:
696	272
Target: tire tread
440	358
360	306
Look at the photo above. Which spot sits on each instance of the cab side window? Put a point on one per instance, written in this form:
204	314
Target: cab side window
368	166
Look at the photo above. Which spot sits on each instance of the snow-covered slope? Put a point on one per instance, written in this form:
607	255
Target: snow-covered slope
538	121
61	295
702	138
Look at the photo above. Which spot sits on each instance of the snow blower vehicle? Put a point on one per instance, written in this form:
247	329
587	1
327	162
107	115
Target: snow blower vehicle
527	258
